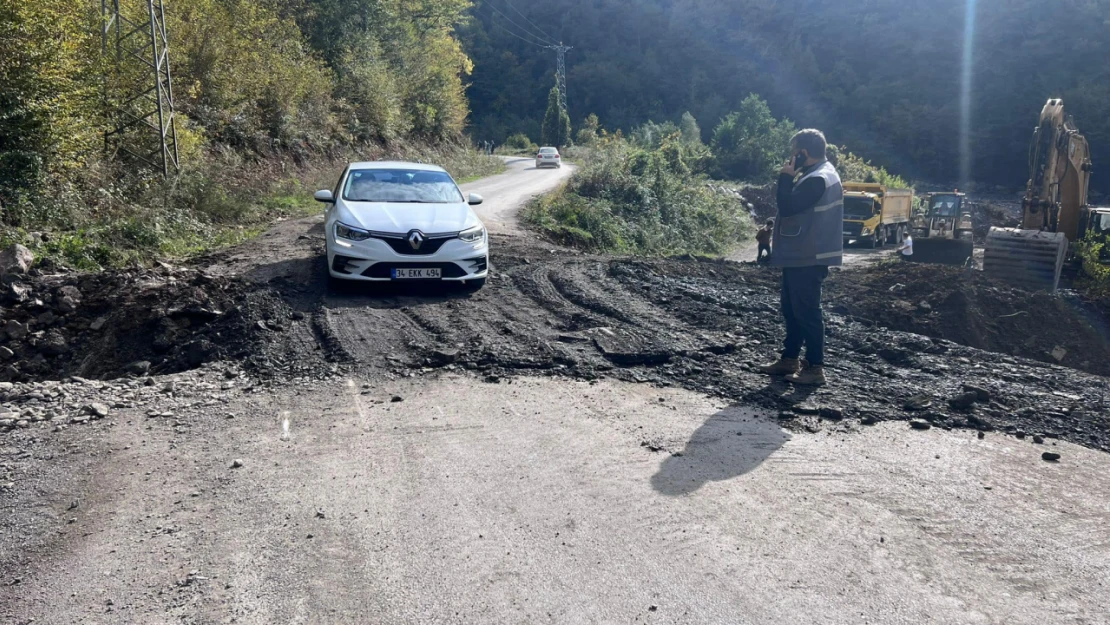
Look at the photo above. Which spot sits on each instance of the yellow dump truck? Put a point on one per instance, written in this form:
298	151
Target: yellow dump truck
875	215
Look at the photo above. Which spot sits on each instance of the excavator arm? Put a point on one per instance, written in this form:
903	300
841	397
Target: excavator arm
1059	174
1054	207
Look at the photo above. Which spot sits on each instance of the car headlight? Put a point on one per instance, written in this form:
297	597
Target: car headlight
865	231
351	234
473	235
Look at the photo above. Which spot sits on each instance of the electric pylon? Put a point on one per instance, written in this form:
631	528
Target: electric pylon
139	87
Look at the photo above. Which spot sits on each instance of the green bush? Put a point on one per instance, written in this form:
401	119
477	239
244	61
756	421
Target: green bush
520	142
1096	276
588	134
853	168
750	144
633	200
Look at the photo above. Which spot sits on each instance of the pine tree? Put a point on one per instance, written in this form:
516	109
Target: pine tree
556	123
691	133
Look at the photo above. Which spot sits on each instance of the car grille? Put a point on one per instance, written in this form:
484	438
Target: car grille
401	246
853	227
385	270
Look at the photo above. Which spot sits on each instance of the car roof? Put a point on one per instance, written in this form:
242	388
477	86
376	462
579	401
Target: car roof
548	147
395	165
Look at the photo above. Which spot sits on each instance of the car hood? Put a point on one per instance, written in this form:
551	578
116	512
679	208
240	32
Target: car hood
402	218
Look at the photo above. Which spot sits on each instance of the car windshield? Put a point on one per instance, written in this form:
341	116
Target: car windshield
858	207
548	151
401	185
944	206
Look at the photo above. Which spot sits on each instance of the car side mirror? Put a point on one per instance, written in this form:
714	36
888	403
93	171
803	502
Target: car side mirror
324	195
474	199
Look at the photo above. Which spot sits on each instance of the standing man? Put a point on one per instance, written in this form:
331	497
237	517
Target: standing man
807	240
763	238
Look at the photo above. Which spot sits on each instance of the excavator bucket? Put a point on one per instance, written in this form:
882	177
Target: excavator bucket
1028	258
936	251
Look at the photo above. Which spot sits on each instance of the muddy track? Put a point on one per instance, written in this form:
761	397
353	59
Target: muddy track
698	325
553	311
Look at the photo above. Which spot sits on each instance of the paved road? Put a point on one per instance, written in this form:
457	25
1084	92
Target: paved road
537	501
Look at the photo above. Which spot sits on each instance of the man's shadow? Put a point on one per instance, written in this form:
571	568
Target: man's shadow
731	443
780	394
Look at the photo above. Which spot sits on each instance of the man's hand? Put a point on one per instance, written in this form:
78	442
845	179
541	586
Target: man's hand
788	168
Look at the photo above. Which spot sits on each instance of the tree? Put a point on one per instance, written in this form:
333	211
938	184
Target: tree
750	143
556	122
587	134
688	126
893	96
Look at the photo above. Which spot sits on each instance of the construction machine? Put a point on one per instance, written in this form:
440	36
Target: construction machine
1054	210
942	234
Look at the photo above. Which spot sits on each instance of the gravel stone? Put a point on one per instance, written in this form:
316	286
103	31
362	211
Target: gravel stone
16	259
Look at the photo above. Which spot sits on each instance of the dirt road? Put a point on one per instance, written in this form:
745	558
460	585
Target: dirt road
583	441
506	193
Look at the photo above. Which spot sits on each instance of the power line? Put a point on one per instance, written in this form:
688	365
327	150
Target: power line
559	48
538	29
538	45
521	28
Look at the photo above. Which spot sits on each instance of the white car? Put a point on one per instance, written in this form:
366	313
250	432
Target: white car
391	221
548	157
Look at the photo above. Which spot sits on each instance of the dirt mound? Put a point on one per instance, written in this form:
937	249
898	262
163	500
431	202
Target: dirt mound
969	308
993	214
137	322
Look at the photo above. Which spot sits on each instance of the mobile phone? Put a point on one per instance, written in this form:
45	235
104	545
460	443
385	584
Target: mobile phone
799	161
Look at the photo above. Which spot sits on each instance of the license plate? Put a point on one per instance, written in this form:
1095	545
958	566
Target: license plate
430	273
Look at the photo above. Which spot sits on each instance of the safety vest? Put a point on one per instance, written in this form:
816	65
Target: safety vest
815	236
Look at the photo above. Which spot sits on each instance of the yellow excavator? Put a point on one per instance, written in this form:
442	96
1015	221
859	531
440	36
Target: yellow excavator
1054	211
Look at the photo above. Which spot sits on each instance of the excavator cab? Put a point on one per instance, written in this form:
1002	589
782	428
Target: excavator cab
1096	227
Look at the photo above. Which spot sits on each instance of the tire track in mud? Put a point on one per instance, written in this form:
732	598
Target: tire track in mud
678	322
704	326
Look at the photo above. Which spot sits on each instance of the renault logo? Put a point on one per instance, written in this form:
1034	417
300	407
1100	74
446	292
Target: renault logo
416	239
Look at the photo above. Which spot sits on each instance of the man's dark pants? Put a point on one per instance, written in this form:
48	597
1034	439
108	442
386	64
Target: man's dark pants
801	308
763	247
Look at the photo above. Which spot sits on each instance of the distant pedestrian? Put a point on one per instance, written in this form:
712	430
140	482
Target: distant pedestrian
907	247
807	240
763	238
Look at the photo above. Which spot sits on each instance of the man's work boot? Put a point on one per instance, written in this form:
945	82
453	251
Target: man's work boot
783	366
808	376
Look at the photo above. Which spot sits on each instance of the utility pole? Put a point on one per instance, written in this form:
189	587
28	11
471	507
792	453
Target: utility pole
139	88
561	73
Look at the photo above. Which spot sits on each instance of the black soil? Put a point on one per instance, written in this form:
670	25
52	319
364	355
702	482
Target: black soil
156	321
968	308
906	342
